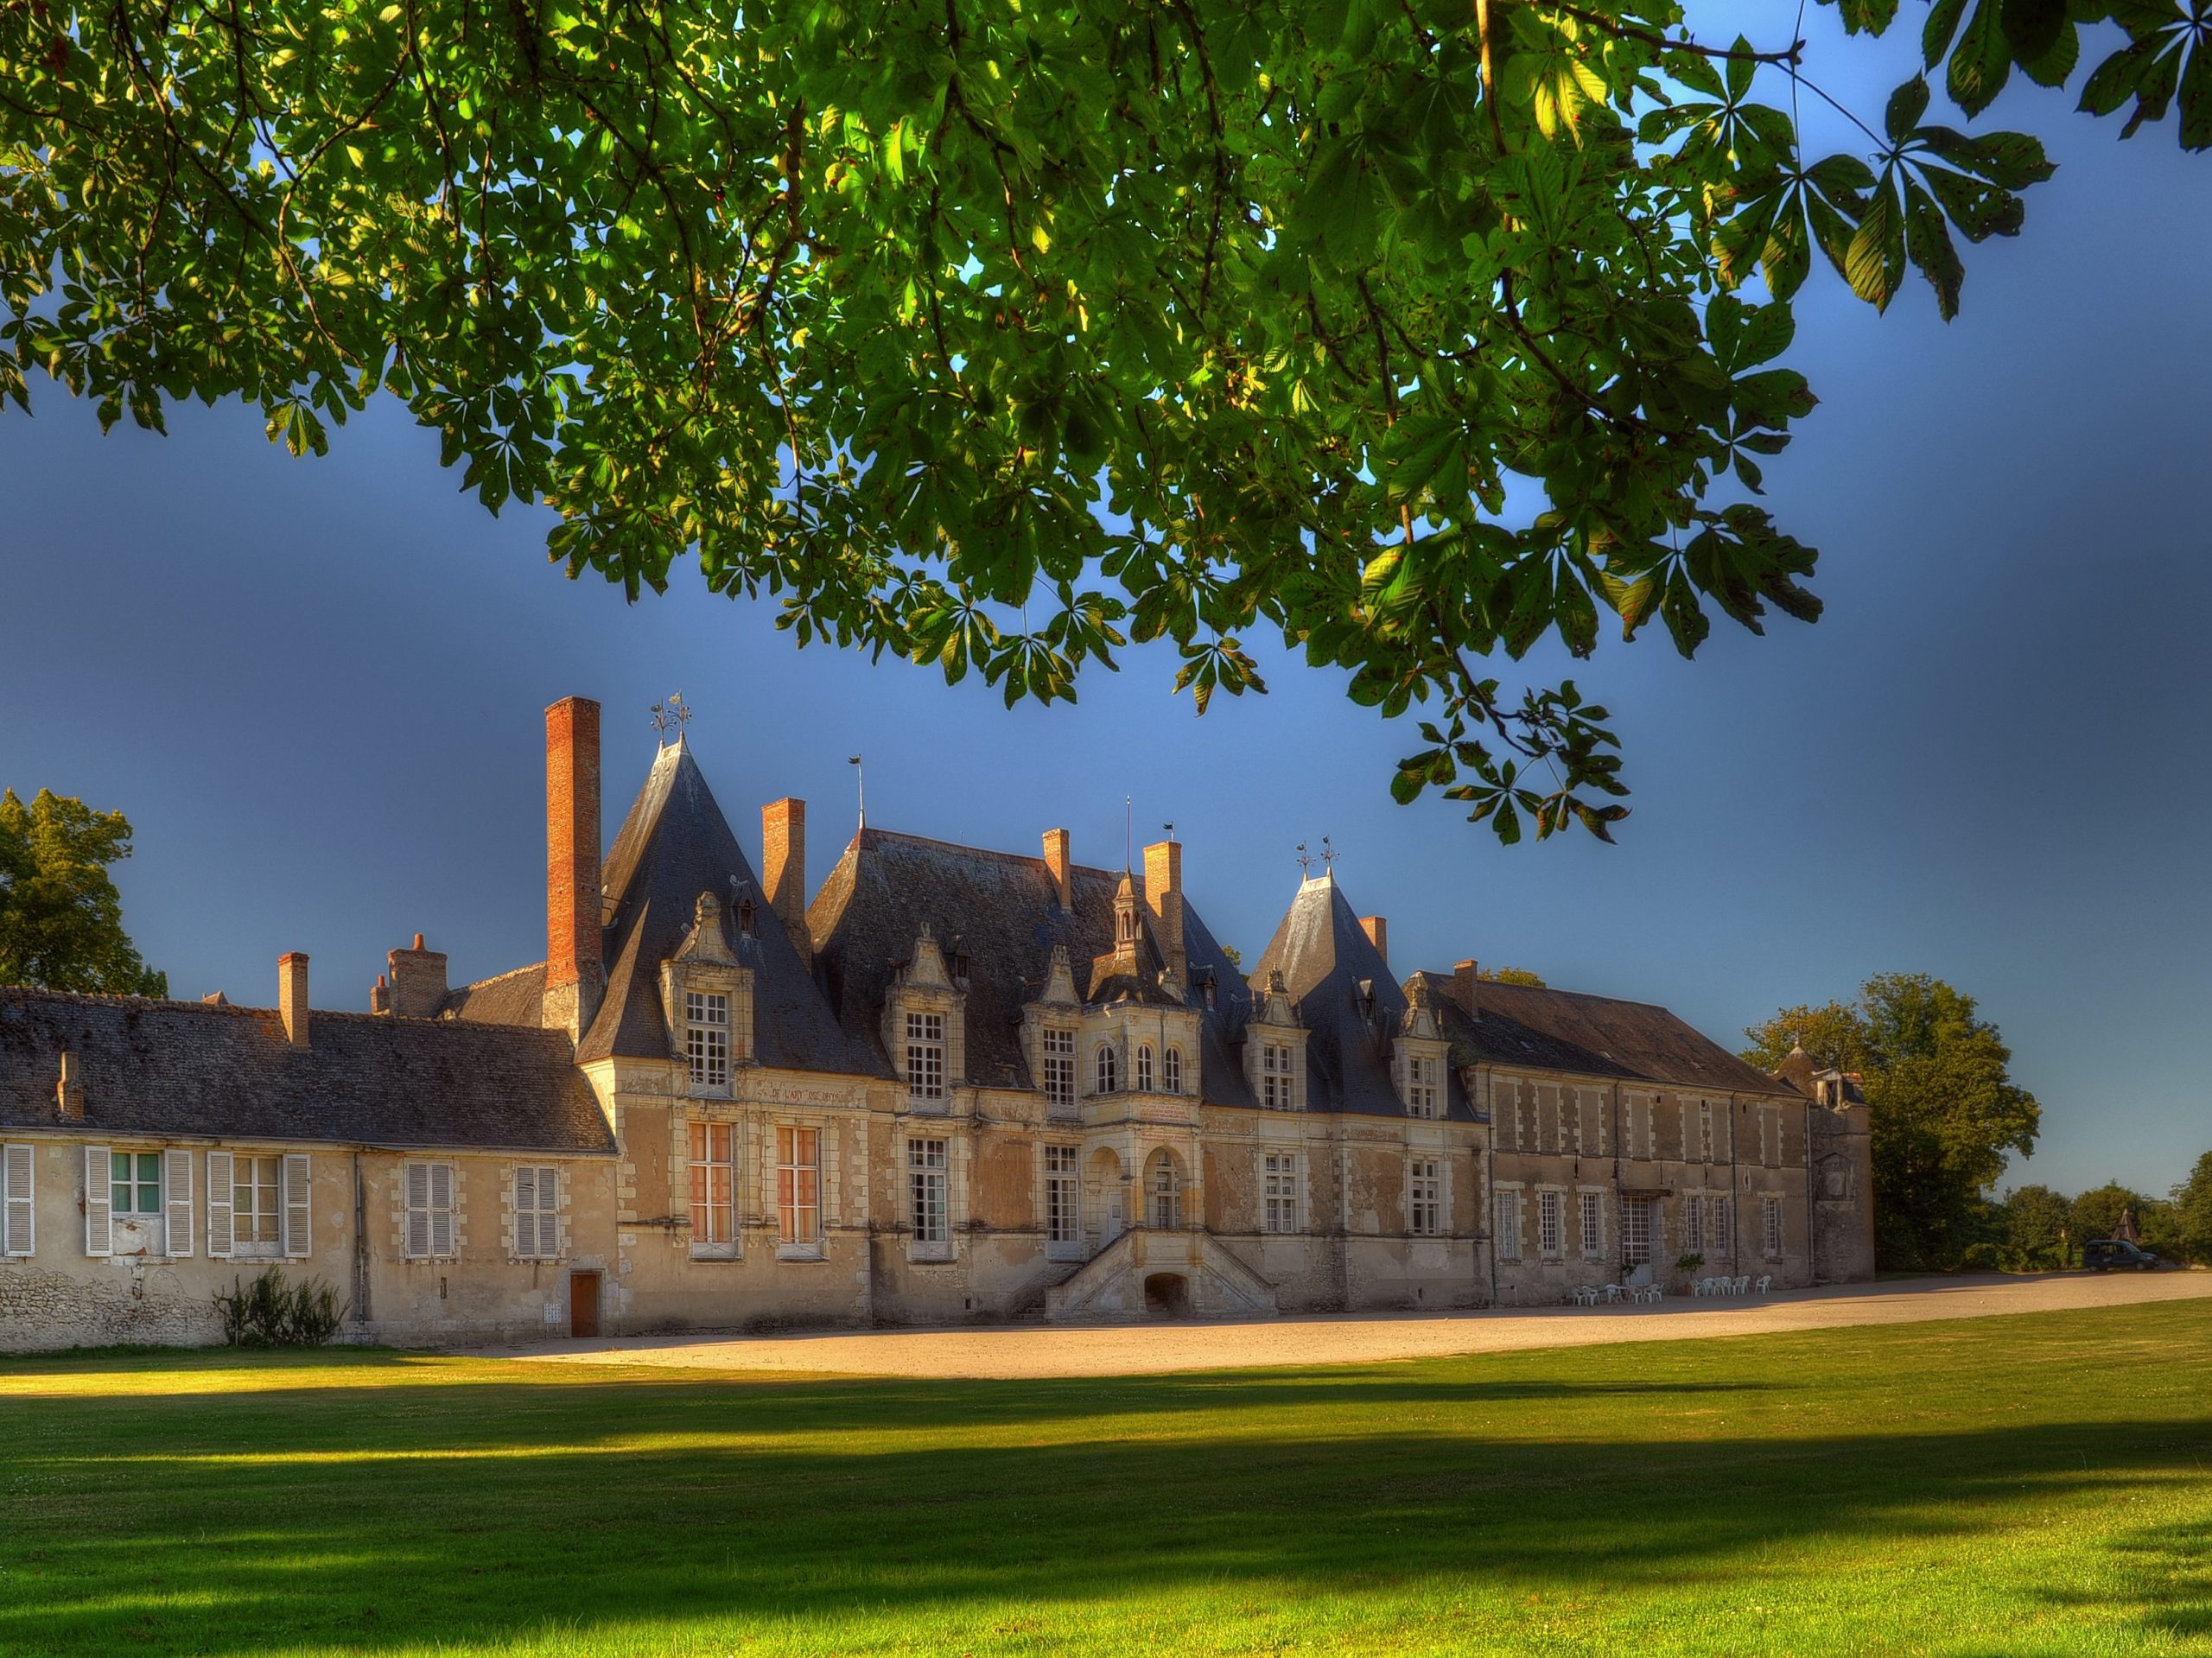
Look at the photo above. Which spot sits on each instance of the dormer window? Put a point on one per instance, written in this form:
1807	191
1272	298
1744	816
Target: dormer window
1171	1073
1059	1069
1109	1071
1277	1092
925	1055
1144	1069
706	1037
1424	1098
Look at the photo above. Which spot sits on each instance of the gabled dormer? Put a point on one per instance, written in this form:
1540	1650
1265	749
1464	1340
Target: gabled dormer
925	1026
706	996
1419	1053
1275	1049
1052	1026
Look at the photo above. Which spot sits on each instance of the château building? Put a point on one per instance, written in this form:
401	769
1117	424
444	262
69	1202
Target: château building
949	1084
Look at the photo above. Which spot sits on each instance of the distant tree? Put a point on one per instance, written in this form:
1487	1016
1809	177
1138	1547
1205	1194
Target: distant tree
1510	975
2096	1212
61	917
1944	1112
2193	1212
1236	956
2037	1223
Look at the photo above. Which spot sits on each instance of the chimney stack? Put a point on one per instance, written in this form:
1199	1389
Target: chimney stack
1378	934
1163	895
1463	988
783	869
292	996
1056	859
575	976
69	1092
417	982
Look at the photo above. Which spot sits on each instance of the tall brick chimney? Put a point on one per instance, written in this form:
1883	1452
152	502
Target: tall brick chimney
1377	929
1056	859
574	976
783	869
69	1092
1163	896
418	981
1463	988
292	996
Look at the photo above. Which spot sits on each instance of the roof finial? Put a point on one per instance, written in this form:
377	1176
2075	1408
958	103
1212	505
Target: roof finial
671	714
1129	833
860	777
1329	854
1305	863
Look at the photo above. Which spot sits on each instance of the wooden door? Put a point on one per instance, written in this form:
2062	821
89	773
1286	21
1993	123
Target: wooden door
583	1304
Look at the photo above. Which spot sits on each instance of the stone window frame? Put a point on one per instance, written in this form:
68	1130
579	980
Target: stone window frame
1278	1088
1105	1068
929	1225
241	1249
1591	1201
555	1214
1056	1045
1691	1226
1432	1171
1551	1218
1140	1069
1774	1243
789	1245
430	1209
699	1134
1287	1204
1170	1068
1507	1239
1720	1222
1052	1185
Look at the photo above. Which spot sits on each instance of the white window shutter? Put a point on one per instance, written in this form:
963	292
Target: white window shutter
221	1225
176	1199
418	1210
100	1202
526	1212
549	1214
18	1213
299	1235
442	1210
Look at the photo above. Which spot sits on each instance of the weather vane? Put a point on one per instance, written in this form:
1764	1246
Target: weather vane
1305	863
671	716
1329	854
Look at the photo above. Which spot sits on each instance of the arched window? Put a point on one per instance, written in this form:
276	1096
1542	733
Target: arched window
1173	1075
1144	1069
1109	1074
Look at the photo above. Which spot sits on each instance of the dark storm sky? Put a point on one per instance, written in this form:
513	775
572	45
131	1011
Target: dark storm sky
315	687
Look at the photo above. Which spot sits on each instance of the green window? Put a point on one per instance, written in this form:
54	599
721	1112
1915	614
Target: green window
137	1178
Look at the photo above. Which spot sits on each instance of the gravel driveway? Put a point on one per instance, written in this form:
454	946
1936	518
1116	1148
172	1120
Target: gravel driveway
1025	1350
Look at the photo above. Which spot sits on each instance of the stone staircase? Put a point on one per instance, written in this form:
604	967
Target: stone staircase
1146	1274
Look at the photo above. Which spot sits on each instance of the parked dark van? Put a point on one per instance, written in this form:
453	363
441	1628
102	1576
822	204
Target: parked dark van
2117	1254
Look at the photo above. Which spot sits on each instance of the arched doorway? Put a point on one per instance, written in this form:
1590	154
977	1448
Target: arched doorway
1104	1203
1163	1191
1166	1295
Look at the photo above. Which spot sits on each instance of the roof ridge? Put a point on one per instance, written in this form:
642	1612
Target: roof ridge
1507	986
983	852
102	998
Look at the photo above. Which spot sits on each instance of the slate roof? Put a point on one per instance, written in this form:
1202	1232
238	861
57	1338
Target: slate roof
1565	1030
997	916
516	997
164	1069
674	845
1344	996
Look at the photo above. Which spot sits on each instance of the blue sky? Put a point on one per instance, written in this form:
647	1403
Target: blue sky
316	686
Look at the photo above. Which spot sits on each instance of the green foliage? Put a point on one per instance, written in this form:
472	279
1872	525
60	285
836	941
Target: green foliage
1000	335
1943	1111
1509	975
2096	1213
61	917
270	1312
2192	1205
2038	1234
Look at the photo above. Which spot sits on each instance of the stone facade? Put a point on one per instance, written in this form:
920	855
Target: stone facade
949	1084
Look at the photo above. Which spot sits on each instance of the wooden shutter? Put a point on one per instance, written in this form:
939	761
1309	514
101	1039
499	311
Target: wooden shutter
176	1199
18	1213
418	1211
221	1223
299	1235
100	1202
441	1209
526	1212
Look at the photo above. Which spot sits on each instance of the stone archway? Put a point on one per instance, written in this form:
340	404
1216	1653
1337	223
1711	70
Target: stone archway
1105	1200
1163	1191
1166	1295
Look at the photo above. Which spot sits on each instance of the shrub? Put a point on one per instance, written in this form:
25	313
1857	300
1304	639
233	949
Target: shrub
271	1312
1689	1263
1984	1258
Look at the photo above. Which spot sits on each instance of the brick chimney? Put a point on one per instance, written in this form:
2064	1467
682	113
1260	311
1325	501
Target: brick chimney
417	982
1463	988
1057	860
1163	896
292	996
1378	934
574	976
69	1092
783	869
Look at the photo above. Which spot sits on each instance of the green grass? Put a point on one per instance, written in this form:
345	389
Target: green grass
2027	1485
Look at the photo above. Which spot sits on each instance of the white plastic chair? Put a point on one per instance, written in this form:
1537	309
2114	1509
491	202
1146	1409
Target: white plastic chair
1743	1284
1765	1280
1612	1292
1705	1286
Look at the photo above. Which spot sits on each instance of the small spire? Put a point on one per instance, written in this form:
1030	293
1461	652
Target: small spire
860	778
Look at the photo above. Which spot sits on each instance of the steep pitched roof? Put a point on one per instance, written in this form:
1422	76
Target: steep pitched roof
516	997
674	845
172	1068
998	917
1345	997
1565	1030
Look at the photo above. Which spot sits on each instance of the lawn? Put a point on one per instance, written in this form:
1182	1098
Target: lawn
2039	1484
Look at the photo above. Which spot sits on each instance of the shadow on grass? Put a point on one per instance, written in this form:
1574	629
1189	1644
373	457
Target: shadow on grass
368	1517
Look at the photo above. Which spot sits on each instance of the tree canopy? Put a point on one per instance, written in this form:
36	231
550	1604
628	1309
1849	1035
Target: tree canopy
1943	1112
1000	333
61	917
